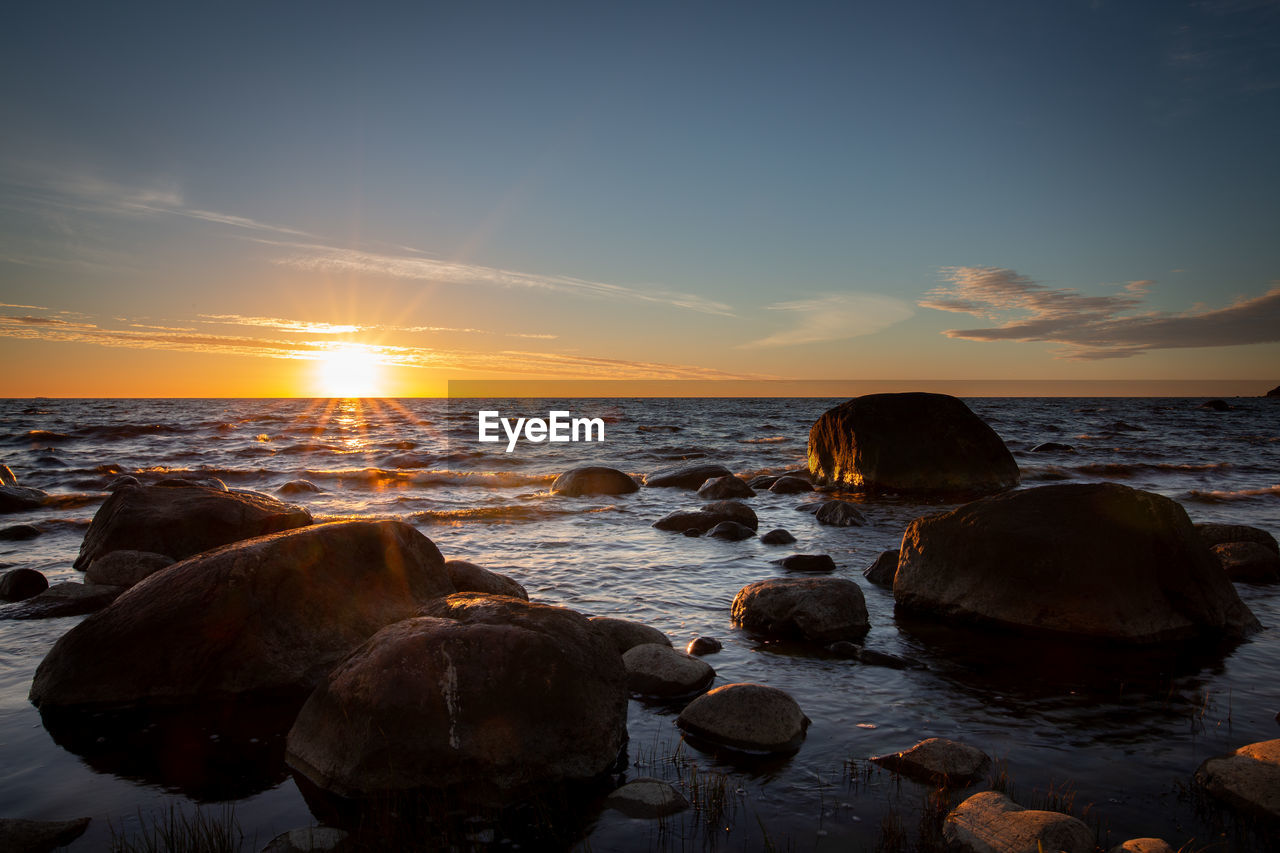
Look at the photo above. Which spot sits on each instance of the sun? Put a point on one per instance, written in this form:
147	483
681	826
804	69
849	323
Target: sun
349	371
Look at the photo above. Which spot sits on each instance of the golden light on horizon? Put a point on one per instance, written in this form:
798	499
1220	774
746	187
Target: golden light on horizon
351	370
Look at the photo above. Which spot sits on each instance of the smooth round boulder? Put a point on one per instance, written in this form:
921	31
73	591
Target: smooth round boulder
626	634
911	444
657	670
807	563
840	514
686	476
790	486
816	610
19	533
1089	560
647	798
704	646
881	572
125	568
1248	779
1250	562
21	584
181	521
708	517
750	718
939	761
731	531
298	487
721	488
21	498
990	821
778	536
593	480
468	577
485	697
270	615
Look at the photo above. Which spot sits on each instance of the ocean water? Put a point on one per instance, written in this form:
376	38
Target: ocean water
1121	733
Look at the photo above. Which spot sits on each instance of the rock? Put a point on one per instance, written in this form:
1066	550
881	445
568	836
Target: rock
778	536
939	761
192	482
763	481
181	521
704	646
1248	779
1220	534
64	599
807	563
39	836
1143	845
1250	562
817	610
488	698
692	532
121	481
7	477
647	798
19	533
1053	447
909	443
1216	406
269	615
468	577
626	635
593	480
654	669
1097	560
839	514
990	822
686	477
125	568
708	517
720	488
790	486
731	531
1274	392
20	584
309	839
21	498
299	487
881	572
749	718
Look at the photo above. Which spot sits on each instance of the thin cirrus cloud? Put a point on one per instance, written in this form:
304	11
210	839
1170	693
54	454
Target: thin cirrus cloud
835	317
1095	327
279	324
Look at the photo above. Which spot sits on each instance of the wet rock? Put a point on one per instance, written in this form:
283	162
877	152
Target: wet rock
124	480
1053	447
763	481
181	521
269	615
468	577
654	669
21	498
721	488
692	532
731	531
811	507
298	487
708	517
881	572
192	482
21	584
749	718
939	761
990	822
647	798
839	514
686	476
594	480
125	568
816	610
64	599
1221	534
310	839
807	563
1248	779
487	698
19	533
790	486
1096	560
1143	845
7	477
1216	406
39	836
909	443
704	646
626	634
1250	562
778	536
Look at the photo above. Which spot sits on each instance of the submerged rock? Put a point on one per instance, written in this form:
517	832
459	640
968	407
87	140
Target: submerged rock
749	718
626	634
721	488
298	487
990	822
593	480
909	443
839	514
731	531
654	669
881	572
1216	406
817	610
1248	561
686	476
708	517
1096	560
1247	780
468	577
39	836
778	536
19	533
488	698
21	584
647	798
65	599
939	761
807	563
125	568
21	498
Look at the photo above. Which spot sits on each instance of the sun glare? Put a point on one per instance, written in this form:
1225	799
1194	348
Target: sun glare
352	371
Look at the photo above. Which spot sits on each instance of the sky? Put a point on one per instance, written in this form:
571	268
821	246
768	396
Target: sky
283	199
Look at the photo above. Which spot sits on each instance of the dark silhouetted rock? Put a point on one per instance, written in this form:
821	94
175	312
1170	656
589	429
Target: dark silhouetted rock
746	717
646	799
39	836
192	482
268	615
21	584
778	536
704	646
181	521
594	480
1216	406
731	531
1250	562
657	670
123	480
686	476
909	443
1248	779
1053	447
708	517
19	533
990	822
881	572
125	568
1274	392
817	610
487	698
807	563
1097	560
21	499
840	514
1221	534
64	599
722	488
298	487
763	481
626	634
790	486
468	577
939	761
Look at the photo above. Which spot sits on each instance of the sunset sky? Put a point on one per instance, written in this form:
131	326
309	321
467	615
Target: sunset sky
277	199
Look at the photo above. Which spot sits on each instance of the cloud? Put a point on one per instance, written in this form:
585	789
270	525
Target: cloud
1096	327
835	317
279	324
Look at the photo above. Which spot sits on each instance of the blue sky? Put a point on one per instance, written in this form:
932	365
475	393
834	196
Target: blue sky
715	189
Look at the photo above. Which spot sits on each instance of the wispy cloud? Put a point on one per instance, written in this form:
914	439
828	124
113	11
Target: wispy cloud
307	327
1100	326
835	317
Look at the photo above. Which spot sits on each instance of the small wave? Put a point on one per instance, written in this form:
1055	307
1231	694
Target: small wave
1128	469
116	432
1216	496
1047	474
309	447
657	428
768	439
46	435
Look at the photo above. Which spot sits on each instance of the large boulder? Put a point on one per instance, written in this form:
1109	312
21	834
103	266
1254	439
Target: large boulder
816	610
593	480
490	698
990	822
1250	562
909	443
269	615
1223	534
1096	560
750	718
181	521
1247	779
1274	392
709	516
686	476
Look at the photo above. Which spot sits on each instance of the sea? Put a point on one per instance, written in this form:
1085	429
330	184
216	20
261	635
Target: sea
1115	737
